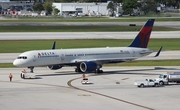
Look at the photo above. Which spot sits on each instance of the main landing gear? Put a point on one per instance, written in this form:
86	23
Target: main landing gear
31	69
78	70
97	71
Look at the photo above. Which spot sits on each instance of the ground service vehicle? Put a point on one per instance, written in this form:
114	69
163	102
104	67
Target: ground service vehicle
147	82
169	77
85	81
27	75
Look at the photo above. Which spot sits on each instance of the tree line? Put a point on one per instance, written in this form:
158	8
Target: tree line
144	6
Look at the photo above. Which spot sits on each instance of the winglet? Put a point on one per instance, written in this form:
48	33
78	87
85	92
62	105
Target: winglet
159	51
53	46
142	39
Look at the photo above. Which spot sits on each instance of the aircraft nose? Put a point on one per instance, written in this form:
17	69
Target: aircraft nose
16	63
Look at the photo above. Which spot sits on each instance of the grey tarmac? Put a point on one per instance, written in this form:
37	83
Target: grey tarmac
113	90
172	24
83	35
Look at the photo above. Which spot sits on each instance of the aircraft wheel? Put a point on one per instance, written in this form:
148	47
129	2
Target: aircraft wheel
142	85
156	85
101	71
161	83
77	70
21	75
98	71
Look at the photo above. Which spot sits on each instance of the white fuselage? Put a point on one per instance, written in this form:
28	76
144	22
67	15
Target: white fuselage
72	56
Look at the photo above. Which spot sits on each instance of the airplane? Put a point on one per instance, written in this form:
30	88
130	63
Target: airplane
88	59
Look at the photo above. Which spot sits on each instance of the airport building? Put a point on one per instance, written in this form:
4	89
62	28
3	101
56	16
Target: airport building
15	5
82	8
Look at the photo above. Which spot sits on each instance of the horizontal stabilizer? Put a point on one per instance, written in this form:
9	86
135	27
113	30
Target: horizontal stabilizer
157	54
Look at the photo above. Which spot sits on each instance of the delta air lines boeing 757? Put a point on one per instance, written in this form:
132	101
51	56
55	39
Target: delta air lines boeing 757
88	59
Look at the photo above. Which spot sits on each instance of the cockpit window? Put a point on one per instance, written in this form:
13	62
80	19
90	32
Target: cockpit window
22	57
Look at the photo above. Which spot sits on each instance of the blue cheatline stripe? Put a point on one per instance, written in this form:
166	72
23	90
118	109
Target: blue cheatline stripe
150	22
136	42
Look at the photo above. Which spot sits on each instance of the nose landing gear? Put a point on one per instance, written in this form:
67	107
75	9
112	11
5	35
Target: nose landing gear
31	69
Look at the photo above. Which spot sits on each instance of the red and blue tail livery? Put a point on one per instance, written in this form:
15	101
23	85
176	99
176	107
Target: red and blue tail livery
142	39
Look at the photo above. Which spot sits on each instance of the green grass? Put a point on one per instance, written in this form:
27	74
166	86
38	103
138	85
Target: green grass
93	28
6	65
15	46
89	19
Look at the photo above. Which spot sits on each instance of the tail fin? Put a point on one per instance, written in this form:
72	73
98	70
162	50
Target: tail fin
142	39
53	46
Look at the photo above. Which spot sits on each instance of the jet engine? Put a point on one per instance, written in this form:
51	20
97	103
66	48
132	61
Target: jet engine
88	66
54	67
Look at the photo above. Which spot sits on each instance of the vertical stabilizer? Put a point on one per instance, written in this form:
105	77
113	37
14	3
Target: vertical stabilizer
142	39
54	45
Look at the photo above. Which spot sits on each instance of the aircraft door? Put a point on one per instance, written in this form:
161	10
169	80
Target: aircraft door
34	58
61	57
134	53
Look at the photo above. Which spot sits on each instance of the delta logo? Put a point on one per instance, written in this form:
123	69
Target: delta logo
45	53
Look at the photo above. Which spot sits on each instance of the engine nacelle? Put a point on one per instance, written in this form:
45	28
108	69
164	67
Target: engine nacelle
88	66
54	67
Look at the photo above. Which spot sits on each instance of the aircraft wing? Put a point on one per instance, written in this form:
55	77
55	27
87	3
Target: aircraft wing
104	60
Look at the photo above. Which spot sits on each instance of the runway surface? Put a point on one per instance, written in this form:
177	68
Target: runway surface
62	89
83	35
173	24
